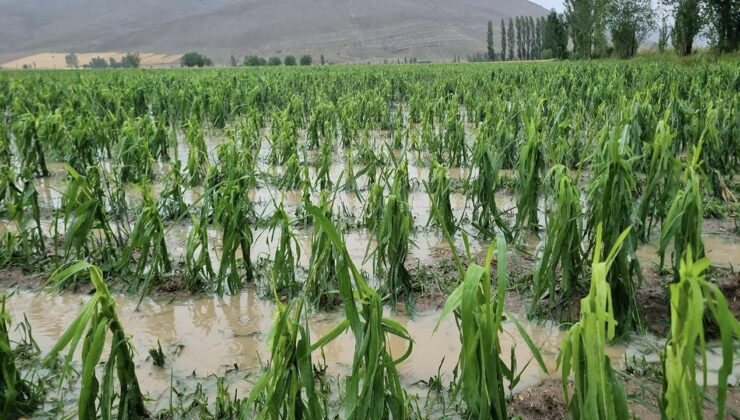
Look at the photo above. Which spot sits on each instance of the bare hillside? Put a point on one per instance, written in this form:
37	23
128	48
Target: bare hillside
342	30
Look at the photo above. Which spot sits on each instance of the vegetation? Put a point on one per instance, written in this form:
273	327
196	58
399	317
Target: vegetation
195	59
691	297
219	180
598	393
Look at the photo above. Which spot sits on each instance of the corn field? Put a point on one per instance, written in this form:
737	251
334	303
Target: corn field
368	194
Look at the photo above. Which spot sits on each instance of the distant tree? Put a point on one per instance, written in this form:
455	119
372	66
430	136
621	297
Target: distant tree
489	42
97	63
71	60
533	39
195	59
233	62
601	13
113	63
724	17
503	40
629	22
555	36
254	61
131	61
580	17
477	57
510	40
289	60
324	62
306	60
663	36
274	61
686	25
519	33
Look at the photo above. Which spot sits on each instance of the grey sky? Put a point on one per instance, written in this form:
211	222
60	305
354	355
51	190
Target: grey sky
550	4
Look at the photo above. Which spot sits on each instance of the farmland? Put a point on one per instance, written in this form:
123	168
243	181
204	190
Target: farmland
417	241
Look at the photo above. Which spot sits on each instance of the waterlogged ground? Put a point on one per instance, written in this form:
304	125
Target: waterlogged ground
208	336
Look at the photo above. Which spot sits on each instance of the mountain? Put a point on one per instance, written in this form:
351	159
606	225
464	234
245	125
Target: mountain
342	30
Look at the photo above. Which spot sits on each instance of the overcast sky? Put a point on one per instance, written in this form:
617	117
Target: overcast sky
550	4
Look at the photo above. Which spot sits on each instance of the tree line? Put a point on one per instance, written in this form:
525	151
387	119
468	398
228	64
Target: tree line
527	38
629	21
128	61
603	28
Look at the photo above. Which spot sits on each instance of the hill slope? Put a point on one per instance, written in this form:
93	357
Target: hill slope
342	30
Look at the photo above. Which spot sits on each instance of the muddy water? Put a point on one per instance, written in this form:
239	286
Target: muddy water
210	335
722	250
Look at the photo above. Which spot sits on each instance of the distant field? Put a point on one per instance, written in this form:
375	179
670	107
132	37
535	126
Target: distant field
55	60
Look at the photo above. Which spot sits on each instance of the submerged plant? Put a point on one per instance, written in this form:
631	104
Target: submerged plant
373	388
197	165
562	248
19	397
199	272
662	179
529	168
683	223
610	197
287	390
171	200
480	316
287	252
438	188
392	237
147	241
322	283
691	297
598	394
487	162
98	317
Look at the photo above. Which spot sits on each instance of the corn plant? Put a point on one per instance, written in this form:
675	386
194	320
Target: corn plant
5	146
287	389
323	166
662	179
19	396
322	125
291	176
683	223
84	213
562	248
199	272
610	197
197	165
372	210
171	200
232	210
373	389
147	241
479	315
29	146
597	394
392	237
134	156
26	246
681	396
487	162
159	140
438	188
454	136
529	168
283	275
322	283
98	317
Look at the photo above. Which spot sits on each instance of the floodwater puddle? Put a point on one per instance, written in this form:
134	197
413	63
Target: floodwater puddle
209	335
